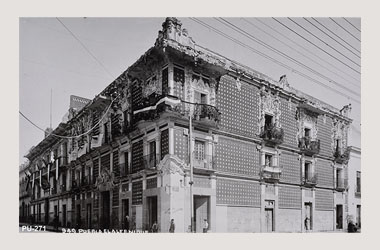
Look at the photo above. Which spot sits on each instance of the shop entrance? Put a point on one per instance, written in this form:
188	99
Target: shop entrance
201	212
105	210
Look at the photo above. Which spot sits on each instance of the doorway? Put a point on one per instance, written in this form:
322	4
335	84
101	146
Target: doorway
105	210
201	212
125	212
339	216
269	226
78	216
64	215
308	225
89	215
46	211
358	216
152	210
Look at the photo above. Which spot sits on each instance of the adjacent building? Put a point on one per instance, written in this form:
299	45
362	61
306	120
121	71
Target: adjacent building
187	132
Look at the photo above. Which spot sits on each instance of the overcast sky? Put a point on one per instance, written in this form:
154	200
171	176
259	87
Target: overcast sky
51	58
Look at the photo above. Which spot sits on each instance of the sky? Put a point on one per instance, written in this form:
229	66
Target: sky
81	56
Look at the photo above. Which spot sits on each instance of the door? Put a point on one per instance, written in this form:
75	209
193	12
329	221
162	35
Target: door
46	211
78	216
64	215
358	216
89	215
201	212
106	210
152	211
308	216
125	212
269	227
339	216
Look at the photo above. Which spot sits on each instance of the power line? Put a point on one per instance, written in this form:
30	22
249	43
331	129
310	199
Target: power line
270	58
251	37
312	53
351	24
332	32
344	29
85	48
70	137
324	42
331	37
315	45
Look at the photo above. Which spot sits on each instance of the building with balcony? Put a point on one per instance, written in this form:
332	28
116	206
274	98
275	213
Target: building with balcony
263	154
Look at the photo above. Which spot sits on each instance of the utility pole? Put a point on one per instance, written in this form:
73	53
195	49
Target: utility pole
191	170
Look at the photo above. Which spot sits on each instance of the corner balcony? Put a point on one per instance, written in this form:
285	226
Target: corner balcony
166	105
270	173
342	156
151	161
309	146
311	180
272	135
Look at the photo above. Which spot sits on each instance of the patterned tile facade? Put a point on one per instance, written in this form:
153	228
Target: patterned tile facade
237	157
181	144
325	173
233	192
324	134
291	172
324	200
239	108
288	122
137	193
289	197
137	154
164	143
151	183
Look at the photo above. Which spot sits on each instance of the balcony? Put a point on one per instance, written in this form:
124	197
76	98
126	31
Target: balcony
272	134
172	106
206	162
151	161
75	186
341	184
63	188
86	181
309	146
342	156
311	180
270	173
54	191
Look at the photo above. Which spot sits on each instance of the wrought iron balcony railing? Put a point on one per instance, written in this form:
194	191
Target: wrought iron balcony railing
342	156
310	180
203	161
272	134
151	161
309	146
271	173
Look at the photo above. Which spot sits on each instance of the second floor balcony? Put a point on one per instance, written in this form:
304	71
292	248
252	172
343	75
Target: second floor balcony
203	161
151	161
309	146
124	169
310	180
272	134
341	184
270	173
342	155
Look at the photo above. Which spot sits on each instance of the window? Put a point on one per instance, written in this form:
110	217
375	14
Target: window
308	171
339	178
200	97
307	132
199	150
358	181
268	121
152	151
268	160
105	133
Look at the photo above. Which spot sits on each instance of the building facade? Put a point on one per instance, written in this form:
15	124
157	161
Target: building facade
186	133
355	190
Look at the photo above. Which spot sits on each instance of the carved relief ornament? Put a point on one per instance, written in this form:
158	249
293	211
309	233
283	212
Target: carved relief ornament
268	104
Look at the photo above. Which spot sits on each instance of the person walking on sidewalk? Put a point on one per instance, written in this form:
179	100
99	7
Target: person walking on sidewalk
172	226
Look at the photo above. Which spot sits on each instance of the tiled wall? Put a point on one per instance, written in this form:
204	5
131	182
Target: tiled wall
325	173
164	143
137	154
324	199
239	108
324	134
234	192
237	157
289	197
181	144
151	183
137	193
288	122
291	172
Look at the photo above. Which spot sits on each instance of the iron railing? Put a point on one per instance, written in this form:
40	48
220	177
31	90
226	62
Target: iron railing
271	173
342	156
124	169
310	180
151	161
203	161
272	134
341	184
309	146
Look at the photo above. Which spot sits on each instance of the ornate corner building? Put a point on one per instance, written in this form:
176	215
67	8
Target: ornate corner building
265	156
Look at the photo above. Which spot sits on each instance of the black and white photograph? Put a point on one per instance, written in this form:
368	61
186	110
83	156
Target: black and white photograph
190	125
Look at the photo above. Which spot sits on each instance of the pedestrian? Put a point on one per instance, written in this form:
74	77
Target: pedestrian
307	223
172	226
155	227
205	226
126	222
